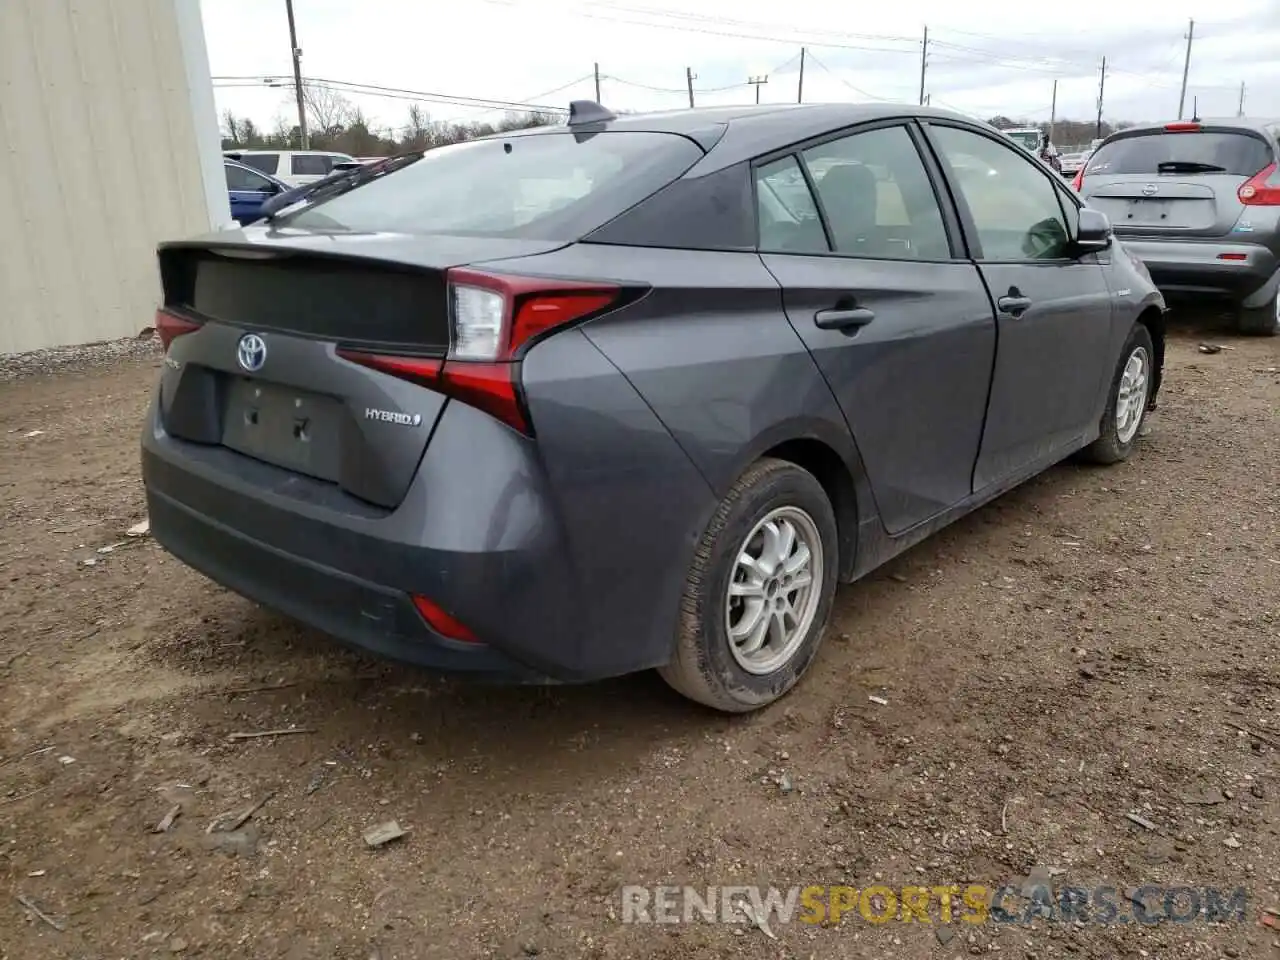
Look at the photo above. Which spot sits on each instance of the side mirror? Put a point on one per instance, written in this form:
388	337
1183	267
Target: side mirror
1094	232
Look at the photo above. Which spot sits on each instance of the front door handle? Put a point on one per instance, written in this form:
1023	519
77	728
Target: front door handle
1014	306
842	318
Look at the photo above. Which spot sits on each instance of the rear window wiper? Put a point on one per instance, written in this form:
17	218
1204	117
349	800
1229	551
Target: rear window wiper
332	186
1188	166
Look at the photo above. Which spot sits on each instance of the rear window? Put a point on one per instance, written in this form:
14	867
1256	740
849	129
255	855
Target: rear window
1239	154
266	162
553	186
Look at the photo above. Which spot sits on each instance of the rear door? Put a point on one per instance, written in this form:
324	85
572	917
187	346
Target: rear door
896	319
1053	310
1181	181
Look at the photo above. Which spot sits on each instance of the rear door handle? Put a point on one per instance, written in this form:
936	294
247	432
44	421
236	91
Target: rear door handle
1014	306
843	318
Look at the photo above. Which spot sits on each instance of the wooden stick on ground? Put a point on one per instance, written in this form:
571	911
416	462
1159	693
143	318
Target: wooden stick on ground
31	905
255	734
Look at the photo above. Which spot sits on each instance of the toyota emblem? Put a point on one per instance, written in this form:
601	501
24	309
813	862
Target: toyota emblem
251	352
1150	190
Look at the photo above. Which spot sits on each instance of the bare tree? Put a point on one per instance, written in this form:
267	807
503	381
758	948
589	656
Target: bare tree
232	129
417	132
327	110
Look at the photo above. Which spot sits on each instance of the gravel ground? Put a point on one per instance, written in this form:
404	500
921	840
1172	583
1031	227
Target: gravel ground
1097	644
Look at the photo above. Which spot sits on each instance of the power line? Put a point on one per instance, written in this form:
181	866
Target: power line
563	86
398	93
835	76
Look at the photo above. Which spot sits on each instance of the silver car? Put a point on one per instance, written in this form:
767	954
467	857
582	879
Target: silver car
1199	202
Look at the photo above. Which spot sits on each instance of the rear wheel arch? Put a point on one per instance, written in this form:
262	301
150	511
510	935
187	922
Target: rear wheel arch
837	481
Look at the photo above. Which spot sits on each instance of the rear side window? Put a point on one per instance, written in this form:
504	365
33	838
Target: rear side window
1238	154
877	196
266	162
311	164
552	186
788	216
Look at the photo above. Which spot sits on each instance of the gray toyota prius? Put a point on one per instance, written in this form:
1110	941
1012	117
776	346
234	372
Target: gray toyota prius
635	392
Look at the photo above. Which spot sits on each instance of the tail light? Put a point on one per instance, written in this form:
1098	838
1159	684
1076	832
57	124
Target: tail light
1077	182
169	326
1263	189
1187	126
492	319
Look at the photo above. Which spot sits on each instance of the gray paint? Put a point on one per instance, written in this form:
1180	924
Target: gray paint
567	552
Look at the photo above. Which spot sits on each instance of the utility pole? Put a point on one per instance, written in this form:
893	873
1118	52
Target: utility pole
1053	109
297	76
757	82
1186	67
800	85
597	72
1102	86
689	77
924	59
1240	109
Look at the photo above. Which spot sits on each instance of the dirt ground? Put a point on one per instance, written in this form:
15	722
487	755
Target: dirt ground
1085	648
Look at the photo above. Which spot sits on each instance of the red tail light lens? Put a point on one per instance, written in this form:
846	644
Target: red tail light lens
1183	127
492	319
442	622
1263	189
1077	181
169	326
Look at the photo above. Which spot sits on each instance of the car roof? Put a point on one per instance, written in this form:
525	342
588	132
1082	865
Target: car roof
741	132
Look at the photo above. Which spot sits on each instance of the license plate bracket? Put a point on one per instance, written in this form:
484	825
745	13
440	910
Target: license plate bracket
287	427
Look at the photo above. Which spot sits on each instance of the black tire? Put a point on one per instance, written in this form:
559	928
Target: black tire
1109	447
1261	321
704	668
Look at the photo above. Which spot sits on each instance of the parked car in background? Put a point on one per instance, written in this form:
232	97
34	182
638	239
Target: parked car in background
568	403
1072	163
248	189
294	167
1199	202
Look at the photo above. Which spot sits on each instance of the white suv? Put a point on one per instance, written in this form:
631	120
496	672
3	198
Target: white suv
294	167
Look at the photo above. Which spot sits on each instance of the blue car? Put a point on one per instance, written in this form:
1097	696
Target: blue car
249	189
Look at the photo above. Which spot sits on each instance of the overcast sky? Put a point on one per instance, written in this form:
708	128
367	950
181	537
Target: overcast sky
987	57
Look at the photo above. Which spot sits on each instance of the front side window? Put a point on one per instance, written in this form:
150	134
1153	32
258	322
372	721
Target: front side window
1014	206
877	196
238	178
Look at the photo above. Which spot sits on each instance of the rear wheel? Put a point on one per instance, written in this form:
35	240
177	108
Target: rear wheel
1263	321
1127	400
759	591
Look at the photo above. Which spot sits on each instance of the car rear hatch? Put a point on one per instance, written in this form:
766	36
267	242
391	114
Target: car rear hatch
1180	181
327	341
262	374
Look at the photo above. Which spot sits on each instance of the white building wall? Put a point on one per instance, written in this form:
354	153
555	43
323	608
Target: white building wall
108	145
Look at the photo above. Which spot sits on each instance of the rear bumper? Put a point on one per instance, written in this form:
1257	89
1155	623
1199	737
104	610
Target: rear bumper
1199	267
354	611
490	555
